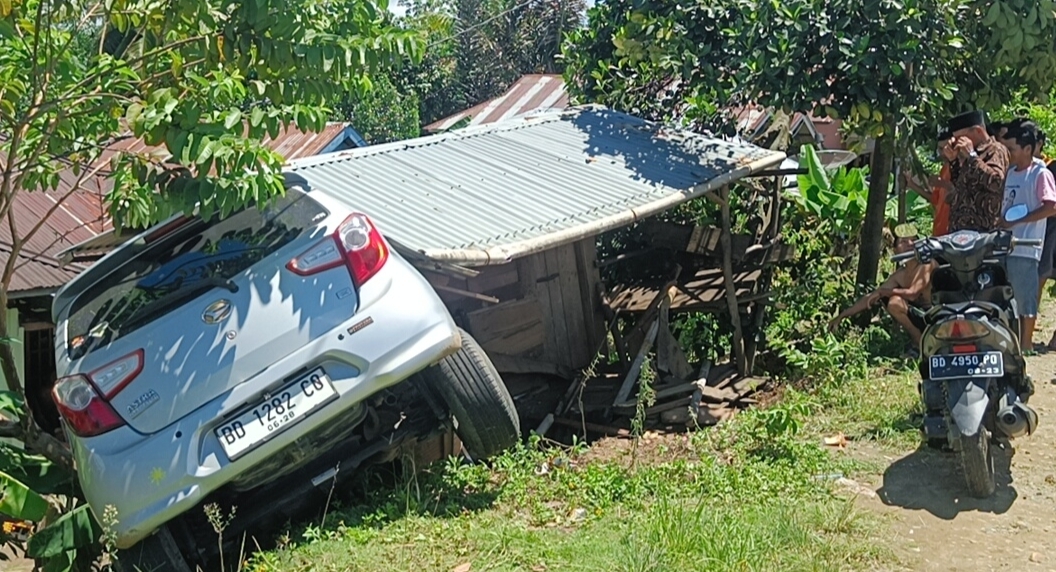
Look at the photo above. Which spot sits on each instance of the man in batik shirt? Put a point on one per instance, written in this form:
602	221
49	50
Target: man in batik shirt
978	165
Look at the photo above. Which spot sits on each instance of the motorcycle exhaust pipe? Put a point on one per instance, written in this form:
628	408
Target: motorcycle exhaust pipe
1015	418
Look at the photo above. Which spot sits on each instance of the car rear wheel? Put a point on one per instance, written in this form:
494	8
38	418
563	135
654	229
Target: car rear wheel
156	553
487	421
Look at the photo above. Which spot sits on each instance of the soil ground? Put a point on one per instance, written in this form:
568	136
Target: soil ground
936	525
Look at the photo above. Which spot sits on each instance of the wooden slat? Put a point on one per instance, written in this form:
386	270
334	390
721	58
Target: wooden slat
558	324
493	278
580	353
594	322
512	328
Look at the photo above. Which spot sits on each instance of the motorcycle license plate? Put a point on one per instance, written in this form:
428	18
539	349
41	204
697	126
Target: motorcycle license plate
960	366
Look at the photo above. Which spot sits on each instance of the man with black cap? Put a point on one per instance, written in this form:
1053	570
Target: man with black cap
977	171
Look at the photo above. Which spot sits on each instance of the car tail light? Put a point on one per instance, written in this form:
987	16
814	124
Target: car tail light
83	399
83	409
960	329
114	376
356	243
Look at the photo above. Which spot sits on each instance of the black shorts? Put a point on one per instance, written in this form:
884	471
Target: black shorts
1048	250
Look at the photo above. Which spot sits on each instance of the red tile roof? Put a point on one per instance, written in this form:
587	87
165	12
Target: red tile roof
83	215
530	93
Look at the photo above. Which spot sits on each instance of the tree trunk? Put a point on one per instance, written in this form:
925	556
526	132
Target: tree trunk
872	237
35	440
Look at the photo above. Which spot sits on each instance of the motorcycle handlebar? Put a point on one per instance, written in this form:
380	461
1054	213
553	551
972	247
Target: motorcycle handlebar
1026	242
903	256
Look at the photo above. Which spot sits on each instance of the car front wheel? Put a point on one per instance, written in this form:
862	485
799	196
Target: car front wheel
467	382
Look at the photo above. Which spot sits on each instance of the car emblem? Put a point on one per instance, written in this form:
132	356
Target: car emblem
216	312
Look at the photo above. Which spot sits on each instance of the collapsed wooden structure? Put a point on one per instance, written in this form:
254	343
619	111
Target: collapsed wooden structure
504	220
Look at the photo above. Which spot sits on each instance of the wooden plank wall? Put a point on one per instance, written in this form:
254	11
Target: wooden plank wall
549	307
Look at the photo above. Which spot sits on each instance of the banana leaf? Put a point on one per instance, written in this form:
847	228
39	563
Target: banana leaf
19	502
74	530
35	471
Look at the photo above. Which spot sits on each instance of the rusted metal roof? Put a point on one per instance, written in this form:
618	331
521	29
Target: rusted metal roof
82	214
529	94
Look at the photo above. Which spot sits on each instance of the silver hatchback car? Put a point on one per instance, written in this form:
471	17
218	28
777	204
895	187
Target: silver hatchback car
248	361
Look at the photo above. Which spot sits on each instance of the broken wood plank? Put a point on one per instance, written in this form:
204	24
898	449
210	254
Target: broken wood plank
731	288
669	355
607	430
517	364
709	394
747	386
467	294
636	365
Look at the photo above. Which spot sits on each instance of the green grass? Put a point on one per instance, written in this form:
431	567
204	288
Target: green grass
748	495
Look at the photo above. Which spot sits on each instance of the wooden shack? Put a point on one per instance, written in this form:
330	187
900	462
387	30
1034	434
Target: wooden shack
504	221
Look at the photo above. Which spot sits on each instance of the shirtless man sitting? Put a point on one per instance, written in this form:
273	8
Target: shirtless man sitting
905	291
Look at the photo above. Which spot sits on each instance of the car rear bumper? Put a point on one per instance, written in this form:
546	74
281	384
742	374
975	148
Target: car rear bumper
151	479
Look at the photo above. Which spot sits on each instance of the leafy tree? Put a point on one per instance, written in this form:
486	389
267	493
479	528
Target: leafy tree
205	79
477	48
382	114
888	68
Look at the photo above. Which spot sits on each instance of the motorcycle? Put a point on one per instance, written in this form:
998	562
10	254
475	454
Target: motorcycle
974	384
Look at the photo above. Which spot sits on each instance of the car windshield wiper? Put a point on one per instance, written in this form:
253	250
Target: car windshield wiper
179	295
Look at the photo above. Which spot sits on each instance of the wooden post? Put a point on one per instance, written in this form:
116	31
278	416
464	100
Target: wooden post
758	310
726	240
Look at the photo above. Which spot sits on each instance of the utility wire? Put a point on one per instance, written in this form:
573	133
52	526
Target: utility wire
479	24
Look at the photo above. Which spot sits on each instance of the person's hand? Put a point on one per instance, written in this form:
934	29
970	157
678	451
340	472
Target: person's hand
1004	224
874	298
834	323
964	147
948	151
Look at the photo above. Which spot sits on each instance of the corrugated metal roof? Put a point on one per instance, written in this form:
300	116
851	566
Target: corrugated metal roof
36	272
488	194
82	216
529	94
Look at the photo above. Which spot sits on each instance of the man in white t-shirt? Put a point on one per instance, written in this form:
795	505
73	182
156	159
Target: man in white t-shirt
1029	183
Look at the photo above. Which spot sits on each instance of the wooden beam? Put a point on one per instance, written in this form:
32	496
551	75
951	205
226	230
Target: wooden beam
731	287
636	365
467	294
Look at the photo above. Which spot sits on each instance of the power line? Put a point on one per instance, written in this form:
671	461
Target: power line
479	24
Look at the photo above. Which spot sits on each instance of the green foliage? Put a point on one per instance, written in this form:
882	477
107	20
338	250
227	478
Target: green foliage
478	48
19	501
382	114
195	77
67	540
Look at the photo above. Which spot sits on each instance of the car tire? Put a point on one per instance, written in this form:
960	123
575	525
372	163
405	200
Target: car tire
467	382
156	553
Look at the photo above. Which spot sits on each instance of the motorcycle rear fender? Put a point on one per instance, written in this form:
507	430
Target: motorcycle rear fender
967	400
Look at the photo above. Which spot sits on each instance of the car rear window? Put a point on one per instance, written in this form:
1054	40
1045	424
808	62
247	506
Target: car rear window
131	296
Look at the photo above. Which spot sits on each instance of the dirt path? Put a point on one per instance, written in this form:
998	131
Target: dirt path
938	526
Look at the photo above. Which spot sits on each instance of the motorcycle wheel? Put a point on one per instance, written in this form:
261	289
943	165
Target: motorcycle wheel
978	463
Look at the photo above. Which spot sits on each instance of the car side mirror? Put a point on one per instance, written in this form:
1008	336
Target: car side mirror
1016	212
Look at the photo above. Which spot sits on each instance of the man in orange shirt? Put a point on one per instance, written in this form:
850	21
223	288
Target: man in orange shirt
936	195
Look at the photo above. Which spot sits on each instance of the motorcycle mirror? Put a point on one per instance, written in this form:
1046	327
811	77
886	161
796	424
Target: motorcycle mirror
1016	212
906	230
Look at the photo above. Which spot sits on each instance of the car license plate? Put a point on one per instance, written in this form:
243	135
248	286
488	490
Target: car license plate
958	366
278	412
